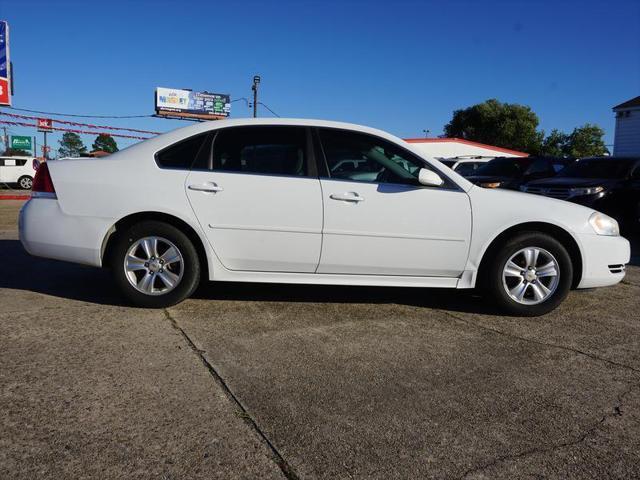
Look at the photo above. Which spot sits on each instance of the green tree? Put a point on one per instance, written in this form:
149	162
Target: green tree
105	143
71	145
507	125
556	144
586	141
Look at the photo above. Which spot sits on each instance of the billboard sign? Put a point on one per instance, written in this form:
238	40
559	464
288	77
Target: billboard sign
5	65
45	125
21	142
172	102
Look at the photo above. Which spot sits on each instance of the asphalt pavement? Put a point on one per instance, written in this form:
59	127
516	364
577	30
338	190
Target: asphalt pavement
280	381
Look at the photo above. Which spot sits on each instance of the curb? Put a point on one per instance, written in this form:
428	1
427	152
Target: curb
15	197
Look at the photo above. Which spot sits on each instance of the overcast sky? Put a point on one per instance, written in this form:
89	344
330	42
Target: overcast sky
399	66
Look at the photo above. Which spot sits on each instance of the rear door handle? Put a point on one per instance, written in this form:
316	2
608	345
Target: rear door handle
347	197
210	187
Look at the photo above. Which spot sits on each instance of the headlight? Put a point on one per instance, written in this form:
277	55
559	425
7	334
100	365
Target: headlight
491	184
585	191
603	224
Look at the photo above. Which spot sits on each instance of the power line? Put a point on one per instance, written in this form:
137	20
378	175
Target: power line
120	116
77	115
265	106
84	132
76	124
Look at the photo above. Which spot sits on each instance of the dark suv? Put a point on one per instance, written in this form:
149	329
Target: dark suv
512	172
607	184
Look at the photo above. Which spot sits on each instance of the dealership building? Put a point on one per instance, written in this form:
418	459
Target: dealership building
441	148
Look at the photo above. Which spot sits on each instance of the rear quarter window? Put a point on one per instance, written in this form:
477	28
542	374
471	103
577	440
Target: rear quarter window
184	154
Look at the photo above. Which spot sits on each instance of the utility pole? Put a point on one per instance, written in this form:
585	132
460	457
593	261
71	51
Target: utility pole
35	146
5	138
254	87
45	153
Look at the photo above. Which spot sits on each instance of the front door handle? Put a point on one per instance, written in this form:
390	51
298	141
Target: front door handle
210	187
347	197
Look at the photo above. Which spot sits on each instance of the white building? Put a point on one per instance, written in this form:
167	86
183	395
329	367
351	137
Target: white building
627	139
456	147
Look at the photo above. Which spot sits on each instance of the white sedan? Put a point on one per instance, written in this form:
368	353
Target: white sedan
256	200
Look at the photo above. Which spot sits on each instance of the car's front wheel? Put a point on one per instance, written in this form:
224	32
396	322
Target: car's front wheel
529	275
154	264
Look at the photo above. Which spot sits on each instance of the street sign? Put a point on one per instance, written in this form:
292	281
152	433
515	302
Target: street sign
45	125
21	142
172	102
5	66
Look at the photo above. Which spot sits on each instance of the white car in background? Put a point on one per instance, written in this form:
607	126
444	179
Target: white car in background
259	200
17	171
466	165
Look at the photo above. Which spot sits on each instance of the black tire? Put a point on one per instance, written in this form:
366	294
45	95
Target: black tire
25	182
188	270
496	288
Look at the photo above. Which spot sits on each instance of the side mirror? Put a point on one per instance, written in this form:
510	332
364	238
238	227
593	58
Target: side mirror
429	178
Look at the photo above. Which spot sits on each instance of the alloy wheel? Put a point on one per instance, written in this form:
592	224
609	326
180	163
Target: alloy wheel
531	275
154	265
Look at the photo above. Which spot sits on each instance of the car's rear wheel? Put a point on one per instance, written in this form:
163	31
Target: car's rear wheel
529	275
25	182
154	264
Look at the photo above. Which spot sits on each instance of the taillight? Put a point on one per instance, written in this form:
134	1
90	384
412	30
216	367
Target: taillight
42	184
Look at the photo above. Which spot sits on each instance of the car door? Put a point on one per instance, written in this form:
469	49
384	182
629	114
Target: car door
11	170
390	225
258	199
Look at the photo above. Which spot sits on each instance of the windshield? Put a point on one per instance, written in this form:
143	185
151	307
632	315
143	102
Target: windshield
468	168
449	163
597	168
503	167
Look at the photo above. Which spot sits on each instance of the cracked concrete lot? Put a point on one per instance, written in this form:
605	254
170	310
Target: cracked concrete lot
271	381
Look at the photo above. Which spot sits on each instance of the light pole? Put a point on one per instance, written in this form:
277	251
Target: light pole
254	87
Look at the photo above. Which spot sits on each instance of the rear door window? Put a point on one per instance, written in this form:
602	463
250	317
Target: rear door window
267	150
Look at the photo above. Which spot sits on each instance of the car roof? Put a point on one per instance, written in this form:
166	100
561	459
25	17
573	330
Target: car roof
159	142
303	122
178	134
